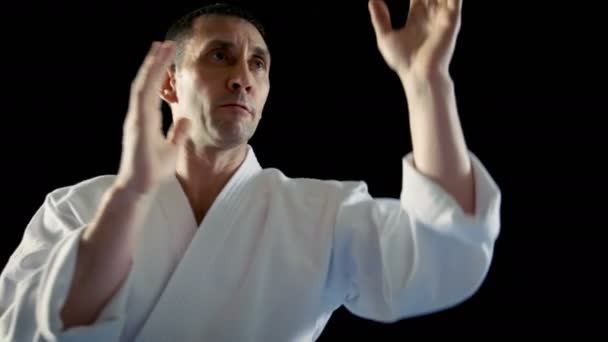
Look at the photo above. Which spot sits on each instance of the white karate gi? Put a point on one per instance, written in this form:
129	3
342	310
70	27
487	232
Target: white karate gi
273	258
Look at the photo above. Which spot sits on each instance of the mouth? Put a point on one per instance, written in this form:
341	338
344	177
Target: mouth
236	105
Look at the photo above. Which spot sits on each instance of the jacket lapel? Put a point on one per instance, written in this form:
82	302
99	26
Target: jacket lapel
188	288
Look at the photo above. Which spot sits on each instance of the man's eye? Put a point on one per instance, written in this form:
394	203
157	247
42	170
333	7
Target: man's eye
260	64
218	55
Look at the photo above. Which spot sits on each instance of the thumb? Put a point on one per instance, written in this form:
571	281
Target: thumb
380	16
179	131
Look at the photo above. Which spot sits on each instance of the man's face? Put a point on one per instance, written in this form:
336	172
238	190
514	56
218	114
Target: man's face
223	81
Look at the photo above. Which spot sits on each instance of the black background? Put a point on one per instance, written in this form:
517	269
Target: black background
529	84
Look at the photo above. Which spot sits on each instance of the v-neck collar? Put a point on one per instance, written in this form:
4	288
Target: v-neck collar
176	206
181	229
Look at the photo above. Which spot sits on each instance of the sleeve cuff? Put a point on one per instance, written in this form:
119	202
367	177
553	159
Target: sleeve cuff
430	204
54	287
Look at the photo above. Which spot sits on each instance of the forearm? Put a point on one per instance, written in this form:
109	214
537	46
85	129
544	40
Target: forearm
438	143
104	256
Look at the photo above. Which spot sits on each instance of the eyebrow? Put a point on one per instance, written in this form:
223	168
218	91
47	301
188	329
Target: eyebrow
258	50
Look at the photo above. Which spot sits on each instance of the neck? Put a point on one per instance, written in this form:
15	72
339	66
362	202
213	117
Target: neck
203	171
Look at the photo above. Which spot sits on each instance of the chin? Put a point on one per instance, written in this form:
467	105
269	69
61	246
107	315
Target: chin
235	133
231	139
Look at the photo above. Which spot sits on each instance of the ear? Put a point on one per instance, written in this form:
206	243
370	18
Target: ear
167	90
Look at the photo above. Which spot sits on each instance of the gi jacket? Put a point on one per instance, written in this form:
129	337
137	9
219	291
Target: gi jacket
273	258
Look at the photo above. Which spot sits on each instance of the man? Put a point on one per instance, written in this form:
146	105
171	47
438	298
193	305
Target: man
192	240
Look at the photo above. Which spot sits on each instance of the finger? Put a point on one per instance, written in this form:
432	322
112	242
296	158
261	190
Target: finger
157	71
454	5
418	12
145	66
380	16
151	66
432	6
137	85
141	101
146	101
414	3
152	52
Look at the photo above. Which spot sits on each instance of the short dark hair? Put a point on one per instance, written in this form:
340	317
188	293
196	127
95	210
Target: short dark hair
181	30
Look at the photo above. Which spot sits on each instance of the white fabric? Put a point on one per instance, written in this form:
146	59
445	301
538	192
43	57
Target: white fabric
273	258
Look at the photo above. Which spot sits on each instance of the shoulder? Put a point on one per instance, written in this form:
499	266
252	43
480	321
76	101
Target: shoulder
337	190
80	197
64	209
89	188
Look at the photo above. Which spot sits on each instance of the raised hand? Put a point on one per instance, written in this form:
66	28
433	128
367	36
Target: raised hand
148	157
424	46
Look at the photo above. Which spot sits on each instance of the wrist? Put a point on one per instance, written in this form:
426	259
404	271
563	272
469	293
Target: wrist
132	188
426	84
120	197
427	78
118	216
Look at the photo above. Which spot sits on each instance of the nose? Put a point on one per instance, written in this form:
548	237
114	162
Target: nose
240	78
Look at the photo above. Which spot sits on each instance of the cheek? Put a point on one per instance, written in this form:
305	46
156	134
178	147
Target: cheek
208	89
263	95
196	92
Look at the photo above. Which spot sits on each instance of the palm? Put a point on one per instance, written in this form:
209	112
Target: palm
148	157
425	44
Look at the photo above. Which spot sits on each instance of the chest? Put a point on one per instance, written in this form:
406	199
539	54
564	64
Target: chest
200	212
200	206
243	261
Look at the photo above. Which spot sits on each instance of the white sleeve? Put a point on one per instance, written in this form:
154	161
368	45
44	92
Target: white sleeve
394	259
36	279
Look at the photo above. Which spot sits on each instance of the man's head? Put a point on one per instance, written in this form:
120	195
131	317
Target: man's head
220	77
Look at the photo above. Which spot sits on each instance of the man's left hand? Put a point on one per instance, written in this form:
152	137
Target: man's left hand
422	48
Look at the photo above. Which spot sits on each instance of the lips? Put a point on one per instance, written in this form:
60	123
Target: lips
237	105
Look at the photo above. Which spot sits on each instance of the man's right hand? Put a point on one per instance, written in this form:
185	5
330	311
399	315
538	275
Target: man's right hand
148	157
105	251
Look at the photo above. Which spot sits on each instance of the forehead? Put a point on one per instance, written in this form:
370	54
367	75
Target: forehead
236	30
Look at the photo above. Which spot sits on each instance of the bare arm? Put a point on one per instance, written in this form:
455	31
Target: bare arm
104	256
105	251
420	54
439	147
